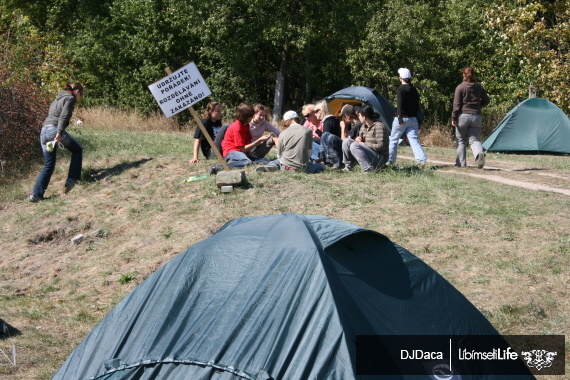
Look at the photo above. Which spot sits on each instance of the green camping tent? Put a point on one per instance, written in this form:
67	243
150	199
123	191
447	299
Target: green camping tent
535	125
273	297
357	95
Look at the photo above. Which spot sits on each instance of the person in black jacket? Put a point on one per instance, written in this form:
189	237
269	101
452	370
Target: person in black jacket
53	134
331	141
406	121
212	122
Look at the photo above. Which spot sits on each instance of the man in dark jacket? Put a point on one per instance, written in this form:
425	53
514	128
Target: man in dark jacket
406	121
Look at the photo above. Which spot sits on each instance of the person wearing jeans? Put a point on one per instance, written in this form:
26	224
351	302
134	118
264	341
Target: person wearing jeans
469	98
237	144
408	104
370	147
60	112
469	129
331	139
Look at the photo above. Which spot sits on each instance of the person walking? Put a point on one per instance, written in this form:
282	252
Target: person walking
406	121
469	98
54	132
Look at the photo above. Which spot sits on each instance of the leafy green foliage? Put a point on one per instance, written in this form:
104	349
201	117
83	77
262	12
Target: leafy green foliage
434	39
23	102
122	46
532	38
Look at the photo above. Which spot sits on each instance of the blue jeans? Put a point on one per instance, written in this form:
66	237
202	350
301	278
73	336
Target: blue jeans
331	145
311	167
237	159
315	152
410	127
468	127
47	134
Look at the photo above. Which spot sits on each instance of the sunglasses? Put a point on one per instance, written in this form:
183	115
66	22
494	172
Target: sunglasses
307	115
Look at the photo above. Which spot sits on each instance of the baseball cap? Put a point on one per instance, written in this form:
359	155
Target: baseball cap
404	73
290	115
347	110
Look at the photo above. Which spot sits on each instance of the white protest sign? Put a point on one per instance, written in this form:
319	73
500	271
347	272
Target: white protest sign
180	90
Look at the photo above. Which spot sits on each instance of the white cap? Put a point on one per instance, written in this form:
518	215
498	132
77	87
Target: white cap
404	73
290	115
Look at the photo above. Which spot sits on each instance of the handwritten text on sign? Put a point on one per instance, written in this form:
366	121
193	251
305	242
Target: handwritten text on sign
180	90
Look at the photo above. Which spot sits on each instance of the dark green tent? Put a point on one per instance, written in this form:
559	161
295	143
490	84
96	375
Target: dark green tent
357	95
274	297
535	125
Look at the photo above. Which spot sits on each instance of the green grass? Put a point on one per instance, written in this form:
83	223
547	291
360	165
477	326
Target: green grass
505	248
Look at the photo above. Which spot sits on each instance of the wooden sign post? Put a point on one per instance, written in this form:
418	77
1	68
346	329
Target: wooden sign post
178	91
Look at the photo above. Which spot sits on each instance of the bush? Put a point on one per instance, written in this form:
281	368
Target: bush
22	109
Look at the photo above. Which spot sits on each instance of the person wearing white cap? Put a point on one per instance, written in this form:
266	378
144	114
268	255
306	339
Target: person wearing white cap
406	121
294	148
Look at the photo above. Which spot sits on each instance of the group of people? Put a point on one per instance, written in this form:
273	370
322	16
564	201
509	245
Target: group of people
353	137
304	144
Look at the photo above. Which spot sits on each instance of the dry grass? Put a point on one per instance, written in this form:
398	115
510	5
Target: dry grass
505	248
115	119
438	135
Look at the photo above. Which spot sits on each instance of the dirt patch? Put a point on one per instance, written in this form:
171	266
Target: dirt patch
529	178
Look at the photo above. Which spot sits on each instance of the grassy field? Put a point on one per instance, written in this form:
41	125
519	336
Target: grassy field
504	247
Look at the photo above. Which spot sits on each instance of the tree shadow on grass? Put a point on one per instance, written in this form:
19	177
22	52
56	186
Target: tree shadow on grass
96	175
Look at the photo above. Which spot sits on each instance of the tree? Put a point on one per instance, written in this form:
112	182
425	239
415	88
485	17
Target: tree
533	48
434	39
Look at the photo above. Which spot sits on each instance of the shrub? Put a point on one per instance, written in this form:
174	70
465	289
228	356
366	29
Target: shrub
23	107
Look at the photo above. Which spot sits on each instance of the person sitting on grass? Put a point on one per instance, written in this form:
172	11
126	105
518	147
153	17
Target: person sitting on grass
258	126
371	147
310	121
212	122
331	142
348	119
294	148
237	144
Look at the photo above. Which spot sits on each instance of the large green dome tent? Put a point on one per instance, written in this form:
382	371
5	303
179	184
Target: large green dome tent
272	297
534	125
